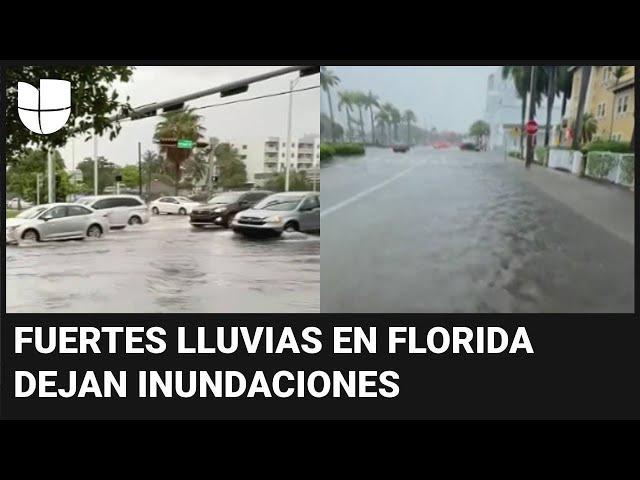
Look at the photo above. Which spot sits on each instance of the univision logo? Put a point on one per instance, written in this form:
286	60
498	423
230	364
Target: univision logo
45	110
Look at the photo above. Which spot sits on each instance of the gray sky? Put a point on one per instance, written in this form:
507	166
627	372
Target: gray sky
250	120
449	98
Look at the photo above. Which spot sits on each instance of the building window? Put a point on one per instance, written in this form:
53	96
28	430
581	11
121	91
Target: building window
623	105
282	157
601	110
244	147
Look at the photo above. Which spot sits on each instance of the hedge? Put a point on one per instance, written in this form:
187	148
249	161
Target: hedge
614	147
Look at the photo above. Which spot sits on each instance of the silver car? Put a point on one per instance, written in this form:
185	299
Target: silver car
291	211
56	221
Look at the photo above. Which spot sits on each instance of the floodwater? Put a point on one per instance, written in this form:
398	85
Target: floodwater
461	232
166	267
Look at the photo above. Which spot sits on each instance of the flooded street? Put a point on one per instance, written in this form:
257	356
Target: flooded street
166	267
455	231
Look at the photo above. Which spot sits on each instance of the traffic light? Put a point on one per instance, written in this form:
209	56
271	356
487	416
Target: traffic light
234	91
306	72
174	108
118	178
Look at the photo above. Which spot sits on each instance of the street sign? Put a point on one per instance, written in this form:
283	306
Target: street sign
185	144
532	127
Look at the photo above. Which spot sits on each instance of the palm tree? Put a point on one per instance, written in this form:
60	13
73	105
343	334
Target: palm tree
175	126
617	73
329	79
360	101
589	128
585	76
396	118
521	76
346	102
372	101
551	95
197	166
383	119
409	117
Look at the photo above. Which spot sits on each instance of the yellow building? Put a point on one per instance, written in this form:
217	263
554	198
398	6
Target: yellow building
610	100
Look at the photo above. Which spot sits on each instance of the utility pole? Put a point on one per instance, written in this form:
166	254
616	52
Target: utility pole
38	188
292	84
50	178
532	94
140	169
95	164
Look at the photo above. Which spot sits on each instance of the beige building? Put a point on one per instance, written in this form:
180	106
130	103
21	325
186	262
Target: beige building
610	100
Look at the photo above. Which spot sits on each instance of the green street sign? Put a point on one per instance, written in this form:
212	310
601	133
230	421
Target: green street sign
185	143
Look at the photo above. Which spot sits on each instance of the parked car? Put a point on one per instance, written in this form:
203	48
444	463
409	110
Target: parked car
121	210
18	204
469	146
280	212
173	205
56	221
440	145
221	209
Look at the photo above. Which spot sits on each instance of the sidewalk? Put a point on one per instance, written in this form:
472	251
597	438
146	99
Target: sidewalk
609	206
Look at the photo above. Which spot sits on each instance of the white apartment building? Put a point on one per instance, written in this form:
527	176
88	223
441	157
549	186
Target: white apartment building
504	113
266	157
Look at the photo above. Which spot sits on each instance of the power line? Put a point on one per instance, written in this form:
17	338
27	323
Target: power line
285	92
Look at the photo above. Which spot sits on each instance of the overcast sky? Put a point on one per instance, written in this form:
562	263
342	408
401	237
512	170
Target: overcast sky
449	98
250	120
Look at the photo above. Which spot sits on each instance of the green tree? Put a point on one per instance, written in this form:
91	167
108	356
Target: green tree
196	168
589	128
175	126
130	176
396	118
384	120
410	118
326	125
93	102
328	80
22	176
360	101
298	182
107	172
479	129
232	171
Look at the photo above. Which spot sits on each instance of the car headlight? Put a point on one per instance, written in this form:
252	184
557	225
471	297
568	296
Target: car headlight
274	219
12	228
220	210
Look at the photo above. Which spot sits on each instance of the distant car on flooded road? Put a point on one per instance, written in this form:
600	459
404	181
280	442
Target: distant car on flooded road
281	212
56	221
173	205
400	148
469	146
441	145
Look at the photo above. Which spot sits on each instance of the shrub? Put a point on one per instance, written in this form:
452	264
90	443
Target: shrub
349	149
605	146
542	155
326	151
515	154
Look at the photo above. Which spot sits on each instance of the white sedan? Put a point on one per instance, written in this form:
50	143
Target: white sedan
173	205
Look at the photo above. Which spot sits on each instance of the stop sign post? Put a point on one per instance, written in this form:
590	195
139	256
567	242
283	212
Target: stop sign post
531	127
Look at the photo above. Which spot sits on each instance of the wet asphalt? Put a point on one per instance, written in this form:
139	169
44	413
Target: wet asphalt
166	266
461	232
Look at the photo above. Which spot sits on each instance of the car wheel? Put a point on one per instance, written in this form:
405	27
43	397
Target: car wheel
155	211
94	231
291	227
135	220
182	211
31	236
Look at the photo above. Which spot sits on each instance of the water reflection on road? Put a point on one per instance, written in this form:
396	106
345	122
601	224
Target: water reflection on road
166	266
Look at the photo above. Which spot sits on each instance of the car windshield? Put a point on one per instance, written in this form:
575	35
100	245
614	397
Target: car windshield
279	202
226	198
33	212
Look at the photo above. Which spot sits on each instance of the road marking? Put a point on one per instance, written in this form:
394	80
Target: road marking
366	192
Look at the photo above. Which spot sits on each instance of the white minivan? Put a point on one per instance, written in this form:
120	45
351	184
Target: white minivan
121	210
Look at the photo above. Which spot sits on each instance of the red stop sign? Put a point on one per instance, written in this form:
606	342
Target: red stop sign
532	127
